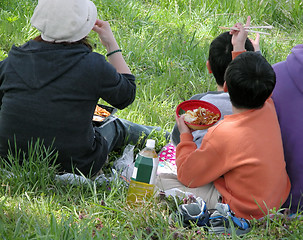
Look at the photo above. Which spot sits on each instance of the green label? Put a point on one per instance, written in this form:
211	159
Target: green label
144	169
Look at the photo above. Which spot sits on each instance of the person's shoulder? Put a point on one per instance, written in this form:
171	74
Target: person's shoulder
269	102
96	59
97	55
298	47
200	96
218	132
218	97
197	96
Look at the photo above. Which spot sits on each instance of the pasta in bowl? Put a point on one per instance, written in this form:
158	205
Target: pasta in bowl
199	114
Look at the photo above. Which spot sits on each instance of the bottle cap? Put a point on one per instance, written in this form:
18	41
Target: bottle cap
150	143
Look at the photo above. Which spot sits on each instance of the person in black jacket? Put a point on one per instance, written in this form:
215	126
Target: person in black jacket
50	87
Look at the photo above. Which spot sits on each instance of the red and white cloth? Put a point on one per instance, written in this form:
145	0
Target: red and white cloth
167	159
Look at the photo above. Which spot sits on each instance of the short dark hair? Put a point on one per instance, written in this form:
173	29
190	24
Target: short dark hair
250	80
220	55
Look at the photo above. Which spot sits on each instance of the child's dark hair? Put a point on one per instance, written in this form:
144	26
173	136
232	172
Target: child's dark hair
250	80
220	55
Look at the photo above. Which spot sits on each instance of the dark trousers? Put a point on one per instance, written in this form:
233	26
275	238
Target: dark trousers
120	132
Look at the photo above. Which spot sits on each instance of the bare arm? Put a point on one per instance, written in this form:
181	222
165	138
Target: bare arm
109	42
256	43
239	36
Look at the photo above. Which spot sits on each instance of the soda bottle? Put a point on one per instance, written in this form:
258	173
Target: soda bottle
144	174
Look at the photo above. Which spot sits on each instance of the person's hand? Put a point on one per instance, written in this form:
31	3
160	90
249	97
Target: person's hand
106	35
255	42
239	36
183	128
109	42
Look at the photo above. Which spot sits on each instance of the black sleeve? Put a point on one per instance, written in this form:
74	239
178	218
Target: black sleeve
2	63
115	88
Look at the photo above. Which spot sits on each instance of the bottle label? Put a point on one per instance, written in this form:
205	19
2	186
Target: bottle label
145	169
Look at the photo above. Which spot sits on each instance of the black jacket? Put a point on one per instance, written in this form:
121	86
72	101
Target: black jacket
49	91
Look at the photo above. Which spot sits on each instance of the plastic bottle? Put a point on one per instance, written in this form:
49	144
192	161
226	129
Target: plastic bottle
144	175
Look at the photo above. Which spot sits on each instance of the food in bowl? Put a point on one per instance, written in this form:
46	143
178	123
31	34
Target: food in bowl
99	111
199	114
97	118
102	114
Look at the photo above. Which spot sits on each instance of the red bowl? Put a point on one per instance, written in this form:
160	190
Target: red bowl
195	104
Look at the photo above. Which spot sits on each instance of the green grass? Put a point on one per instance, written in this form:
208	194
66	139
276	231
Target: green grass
165	43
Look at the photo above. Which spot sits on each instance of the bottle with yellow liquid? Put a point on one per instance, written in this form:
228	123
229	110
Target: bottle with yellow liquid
144	175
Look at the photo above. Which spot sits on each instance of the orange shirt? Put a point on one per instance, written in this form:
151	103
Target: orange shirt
243	156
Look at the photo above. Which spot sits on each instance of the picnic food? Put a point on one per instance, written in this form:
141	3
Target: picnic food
100	114
201	116
99	111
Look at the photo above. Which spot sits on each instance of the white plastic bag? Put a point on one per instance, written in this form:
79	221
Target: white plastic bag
125	164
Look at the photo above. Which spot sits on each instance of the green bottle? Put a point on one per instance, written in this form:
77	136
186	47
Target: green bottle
144	175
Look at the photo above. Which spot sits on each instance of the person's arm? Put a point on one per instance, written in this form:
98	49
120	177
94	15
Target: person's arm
256	43
109	42
239	38
198	167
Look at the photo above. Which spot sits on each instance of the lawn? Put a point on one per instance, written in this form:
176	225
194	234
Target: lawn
165	43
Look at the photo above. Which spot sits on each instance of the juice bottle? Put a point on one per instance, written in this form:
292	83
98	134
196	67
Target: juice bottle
144	175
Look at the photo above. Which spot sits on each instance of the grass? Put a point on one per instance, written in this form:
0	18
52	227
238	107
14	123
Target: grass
165	43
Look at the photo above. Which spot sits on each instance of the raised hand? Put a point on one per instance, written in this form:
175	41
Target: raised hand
239	36
255	42
106	35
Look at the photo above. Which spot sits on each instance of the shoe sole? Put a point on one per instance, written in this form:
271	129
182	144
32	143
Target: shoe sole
223	230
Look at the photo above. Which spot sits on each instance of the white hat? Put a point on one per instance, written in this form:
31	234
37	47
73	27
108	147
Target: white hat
64	20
